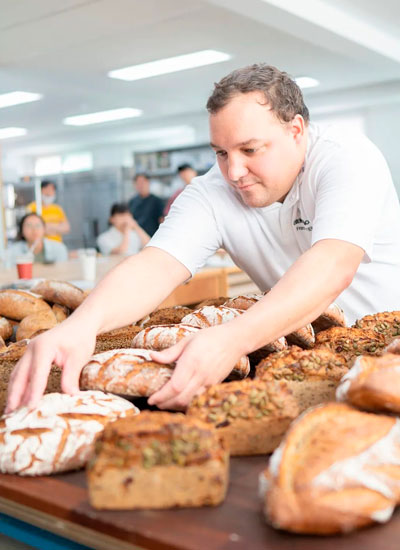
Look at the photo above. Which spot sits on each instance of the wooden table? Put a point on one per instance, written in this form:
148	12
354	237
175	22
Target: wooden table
59	504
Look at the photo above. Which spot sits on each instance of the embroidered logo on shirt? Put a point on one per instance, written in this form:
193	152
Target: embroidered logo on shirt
302	225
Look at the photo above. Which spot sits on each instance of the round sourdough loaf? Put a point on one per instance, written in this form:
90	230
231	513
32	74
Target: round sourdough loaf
59	434
17	304
60	292
125	371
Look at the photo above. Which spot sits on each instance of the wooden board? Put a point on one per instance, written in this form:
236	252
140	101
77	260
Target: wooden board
60	504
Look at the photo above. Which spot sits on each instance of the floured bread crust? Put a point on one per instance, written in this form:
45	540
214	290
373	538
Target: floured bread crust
252	415
336	470
303	337
373	383
245	301
125	371
59	434
209	316
17	304
333	316
163	460
60	292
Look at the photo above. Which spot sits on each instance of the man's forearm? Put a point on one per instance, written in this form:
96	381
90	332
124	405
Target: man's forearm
131	290
311	284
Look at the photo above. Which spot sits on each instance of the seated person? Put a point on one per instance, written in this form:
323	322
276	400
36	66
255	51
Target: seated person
125	236
31	237
56	221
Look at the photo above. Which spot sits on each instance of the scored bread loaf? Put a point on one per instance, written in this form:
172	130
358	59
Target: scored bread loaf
386	323
312	375
209	316
251	415
6	328
244	301
60	292
57	435
165	316
158	460
31	324
350	342
333	316
161	337
336	470
303	337
17	304
373	383
125	371
212	302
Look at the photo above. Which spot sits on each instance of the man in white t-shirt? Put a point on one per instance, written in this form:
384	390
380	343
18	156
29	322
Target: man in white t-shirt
124	236
313	215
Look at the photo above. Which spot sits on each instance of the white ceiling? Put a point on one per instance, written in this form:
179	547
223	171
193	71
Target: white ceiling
64	48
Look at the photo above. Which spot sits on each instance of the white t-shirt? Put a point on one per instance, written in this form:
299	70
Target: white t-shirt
112	238
344	191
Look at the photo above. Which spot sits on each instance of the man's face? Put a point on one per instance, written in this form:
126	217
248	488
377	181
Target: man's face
142	186
121	220
49	190
187	175
258	155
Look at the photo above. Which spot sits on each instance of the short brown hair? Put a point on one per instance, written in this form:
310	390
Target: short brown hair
281	93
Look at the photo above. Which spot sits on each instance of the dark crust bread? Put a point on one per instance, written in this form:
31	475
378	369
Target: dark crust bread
165	316
386	323
350	342
116	339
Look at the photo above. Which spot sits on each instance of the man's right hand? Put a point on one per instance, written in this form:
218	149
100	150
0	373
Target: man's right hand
68	345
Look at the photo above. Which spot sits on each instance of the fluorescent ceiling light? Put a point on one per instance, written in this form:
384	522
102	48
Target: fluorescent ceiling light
170	65
12	132
306	82
102	116
16	98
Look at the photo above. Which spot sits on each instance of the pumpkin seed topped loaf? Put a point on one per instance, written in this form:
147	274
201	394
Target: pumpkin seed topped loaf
312	375
386	323
158	460
165	316
252	415
350	342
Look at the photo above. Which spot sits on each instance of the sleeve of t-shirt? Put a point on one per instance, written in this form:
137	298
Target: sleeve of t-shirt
104	244
350	195
190	232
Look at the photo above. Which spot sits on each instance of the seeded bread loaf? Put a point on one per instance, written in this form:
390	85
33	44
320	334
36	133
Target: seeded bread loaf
350	342
312	375
165	316
57	435
386	323
17	304
251	415
333	316
158	460
31	324
126	372
336	470
60	292
6	328
373	383
116	339
164	336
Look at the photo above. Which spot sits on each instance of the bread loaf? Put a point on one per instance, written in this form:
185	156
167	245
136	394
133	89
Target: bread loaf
17	304
212	302
2	344
210	316
311	375
57	435
60	312
126	372
373	383
158	460
165	316
393	347
303	337
386	323
6	328
60	292
350	342
251	415
244	301
116	339
164	336
337	469
31	324
333	316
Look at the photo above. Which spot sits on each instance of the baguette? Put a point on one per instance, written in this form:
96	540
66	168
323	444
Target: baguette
158	460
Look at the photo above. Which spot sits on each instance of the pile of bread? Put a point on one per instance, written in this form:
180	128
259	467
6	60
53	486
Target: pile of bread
334	468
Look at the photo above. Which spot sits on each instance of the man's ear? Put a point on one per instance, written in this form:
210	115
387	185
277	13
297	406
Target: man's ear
297	128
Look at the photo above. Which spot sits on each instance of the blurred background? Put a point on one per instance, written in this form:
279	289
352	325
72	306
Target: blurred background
63	58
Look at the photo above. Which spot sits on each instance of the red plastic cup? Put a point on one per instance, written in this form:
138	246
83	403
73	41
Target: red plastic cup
24	267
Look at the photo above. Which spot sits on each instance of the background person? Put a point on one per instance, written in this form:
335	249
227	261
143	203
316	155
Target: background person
146	208
56	221
31	237
186	174
311	214
125	236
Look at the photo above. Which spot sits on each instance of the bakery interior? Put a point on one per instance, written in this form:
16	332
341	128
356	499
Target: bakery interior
59	59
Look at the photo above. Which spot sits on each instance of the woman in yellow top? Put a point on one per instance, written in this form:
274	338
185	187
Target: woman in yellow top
56	221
